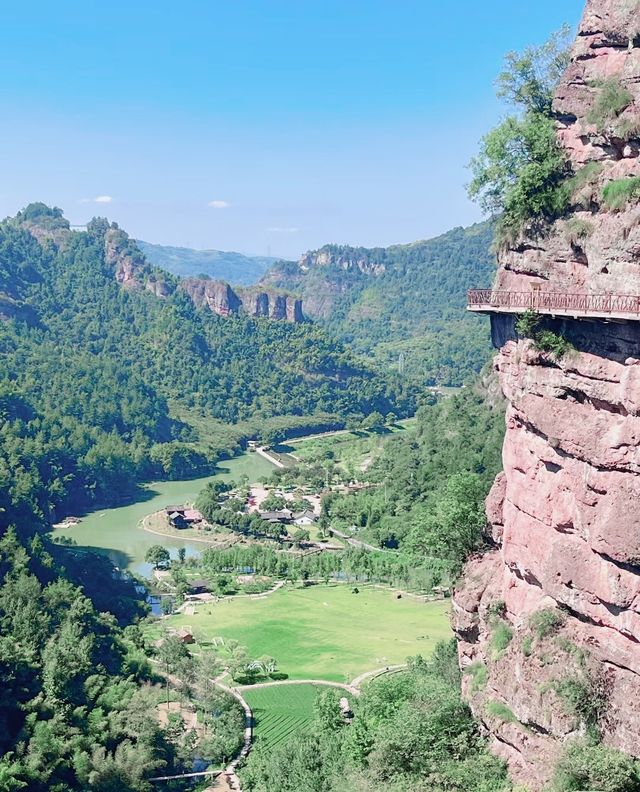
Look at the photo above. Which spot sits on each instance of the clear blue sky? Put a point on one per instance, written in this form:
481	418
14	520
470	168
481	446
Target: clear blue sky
256	125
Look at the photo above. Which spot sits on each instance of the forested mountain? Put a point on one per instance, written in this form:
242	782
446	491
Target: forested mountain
73	714
105	363
233	267
403	305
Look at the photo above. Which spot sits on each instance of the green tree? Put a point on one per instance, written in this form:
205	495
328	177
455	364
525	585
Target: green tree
374	422
521	169
158	556
301	535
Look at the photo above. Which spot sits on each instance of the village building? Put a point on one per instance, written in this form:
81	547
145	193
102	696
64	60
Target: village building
283	517
306	517
199	586
183	516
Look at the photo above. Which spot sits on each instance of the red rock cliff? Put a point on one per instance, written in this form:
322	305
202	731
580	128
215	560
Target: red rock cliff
220	298
549	621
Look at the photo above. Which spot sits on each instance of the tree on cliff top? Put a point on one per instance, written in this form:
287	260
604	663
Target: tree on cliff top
520	169
530	77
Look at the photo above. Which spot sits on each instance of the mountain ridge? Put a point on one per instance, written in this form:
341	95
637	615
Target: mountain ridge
402	306
231	266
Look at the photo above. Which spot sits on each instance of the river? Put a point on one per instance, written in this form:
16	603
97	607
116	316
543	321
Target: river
117	533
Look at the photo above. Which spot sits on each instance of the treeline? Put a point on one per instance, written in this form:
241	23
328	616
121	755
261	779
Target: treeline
351	565
94	375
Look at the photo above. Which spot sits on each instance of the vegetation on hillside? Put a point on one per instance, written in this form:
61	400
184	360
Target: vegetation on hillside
234	268
88	377
74	714
432	482
409	318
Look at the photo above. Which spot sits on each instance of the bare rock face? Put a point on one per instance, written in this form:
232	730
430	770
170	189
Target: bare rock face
548	622
122	254
345	258
271	304
220	298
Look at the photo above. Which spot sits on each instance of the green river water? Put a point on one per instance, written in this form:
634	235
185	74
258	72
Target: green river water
117	533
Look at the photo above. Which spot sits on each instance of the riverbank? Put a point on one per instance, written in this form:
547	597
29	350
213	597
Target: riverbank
117	532
158	524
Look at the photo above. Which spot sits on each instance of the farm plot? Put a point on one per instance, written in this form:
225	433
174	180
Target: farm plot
280	712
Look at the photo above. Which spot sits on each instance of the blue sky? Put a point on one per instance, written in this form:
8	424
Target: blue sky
256	125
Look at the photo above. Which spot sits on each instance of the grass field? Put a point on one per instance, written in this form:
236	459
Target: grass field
353	452
280	712
324	632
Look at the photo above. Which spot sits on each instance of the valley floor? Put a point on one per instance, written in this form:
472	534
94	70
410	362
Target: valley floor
323	632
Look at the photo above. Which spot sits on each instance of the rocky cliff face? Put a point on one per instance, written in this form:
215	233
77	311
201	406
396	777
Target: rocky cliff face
549	621
130	267
132	271
343	257
220	298
597	249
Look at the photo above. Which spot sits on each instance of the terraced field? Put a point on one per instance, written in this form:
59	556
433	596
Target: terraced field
280	712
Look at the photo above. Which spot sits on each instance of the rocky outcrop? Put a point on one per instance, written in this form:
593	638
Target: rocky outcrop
133	272
122	254
271	304
220	298
597	249
344	258
548	622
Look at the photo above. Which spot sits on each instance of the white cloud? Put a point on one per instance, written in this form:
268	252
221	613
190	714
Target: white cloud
217	204
281	230
101	199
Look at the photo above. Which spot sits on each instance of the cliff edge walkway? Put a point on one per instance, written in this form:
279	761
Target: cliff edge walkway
611	307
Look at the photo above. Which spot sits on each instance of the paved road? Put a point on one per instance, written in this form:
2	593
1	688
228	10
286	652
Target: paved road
368	675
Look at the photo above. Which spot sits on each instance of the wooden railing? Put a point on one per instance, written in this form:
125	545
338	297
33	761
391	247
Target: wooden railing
551	302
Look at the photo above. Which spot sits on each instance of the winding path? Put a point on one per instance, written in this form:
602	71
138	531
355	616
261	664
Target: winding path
231	768
353	687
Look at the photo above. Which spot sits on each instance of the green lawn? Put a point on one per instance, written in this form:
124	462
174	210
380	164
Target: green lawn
280	712
353	452
324	632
